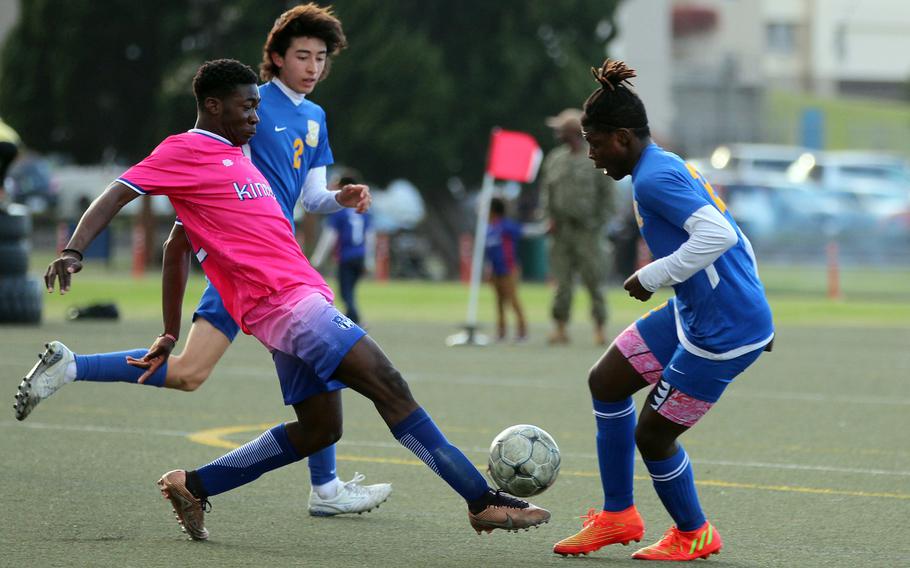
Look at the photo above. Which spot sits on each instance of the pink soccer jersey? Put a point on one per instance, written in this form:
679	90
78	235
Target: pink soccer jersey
237	229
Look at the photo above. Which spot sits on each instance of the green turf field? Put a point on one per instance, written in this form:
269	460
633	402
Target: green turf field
804	462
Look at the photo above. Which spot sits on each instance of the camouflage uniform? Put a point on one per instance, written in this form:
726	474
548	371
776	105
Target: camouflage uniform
578	199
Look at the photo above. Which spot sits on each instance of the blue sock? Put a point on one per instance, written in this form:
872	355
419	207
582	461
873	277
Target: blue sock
271	450
419	434
112	367
322	466
616	451
675	485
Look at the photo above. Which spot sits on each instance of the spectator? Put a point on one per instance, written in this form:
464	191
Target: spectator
577	200
503	235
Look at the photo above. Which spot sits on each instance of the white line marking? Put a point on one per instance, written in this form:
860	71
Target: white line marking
518	382
88	428
479	450
731	392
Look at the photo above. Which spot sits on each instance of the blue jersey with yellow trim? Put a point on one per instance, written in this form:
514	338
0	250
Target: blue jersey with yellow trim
290	140
723	307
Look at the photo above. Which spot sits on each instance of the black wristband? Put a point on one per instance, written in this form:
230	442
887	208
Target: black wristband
75	251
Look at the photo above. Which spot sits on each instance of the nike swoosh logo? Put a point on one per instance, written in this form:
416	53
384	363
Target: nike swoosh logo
508	524
672	368
277	129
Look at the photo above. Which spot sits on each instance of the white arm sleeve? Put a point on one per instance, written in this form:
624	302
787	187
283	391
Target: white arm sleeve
315	195
710	235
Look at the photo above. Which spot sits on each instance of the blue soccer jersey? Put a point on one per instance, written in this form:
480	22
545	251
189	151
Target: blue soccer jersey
352	229
501	246
290	140
722	311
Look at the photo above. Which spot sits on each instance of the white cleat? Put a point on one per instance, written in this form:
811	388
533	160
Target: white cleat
45	378
352	498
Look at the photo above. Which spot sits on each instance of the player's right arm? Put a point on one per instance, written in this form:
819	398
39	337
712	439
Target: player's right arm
93	221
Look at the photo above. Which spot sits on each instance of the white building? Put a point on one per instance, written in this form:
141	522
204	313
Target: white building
726	55
824	47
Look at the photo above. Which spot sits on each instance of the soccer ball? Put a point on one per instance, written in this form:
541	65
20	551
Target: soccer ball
524	460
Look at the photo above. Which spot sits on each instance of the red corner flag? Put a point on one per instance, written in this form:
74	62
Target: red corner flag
513	156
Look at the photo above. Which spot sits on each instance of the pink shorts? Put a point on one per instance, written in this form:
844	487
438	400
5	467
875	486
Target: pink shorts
668	401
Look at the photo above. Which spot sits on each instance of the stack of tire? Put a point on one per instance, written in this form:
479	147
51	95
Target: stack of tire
20	296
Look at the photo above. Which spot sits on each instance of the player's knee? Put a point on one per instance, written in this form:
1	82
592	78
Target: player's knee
193	379
600	388
652	445
394	392
397	386
594	382
329	435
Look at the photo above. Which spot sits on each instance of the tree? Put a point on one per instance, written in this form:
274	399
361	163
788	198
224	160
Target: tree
431	79
80	77
415	95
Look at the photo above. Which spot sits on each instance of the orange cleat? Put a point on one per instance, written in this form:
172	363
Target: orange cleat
682	545
603	528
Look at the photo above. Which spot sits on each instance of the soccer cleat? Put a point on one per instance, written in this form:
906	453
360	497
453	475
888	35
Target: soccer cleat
351	498
188	510
603	528
503	511
45	378
681	545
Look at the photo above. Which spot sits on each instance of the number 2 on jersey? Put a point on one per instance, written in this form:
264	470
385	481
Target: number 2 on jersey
717	200
298	151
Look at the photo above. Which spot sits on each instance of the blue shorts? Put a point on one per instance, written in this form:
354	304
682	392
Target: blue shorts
704	379
320	338
212	310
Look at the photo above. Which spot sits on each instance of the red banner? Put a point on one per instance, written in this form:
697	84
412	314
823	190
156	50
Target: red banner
514	156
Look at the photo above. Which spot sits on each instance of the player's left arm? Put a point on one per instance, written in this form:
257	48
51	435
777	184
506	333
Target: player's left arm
318	198
93	221
356	196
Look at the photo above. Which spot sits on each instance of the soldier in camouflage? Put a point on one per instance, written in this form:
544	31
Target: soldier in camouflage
577	200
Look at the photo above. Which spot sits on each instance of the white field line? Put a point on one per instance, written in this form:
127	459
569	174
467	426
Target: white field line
385	445
556	384
791	396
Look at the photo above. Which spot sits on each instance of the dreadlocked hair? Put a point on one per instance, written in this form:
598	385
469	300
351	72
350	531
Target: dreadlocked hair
614	104
305	20
219	78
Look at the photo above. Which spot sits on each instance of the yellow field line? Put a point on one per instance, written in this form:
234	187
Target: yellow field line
216	437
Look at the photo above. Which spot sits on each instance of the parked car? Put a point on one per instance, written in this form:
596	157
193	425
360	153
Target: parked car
848	168
753	160
31	182
772	211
